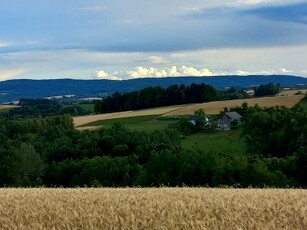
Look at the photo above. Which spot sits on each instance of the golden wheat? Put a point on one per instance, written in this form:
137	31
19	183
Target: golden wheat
217	106
8	106
153	208
188	109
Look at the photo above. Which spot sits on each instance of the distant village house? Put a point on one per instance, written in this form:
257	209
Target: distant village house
227	119
195	119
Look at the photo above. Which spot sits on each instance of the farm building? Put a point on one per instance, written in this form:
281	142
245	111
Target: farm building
199	119
226	120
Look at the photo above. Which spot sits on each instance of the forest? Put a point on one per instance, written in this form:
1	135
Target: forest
151	97
30	108
49	151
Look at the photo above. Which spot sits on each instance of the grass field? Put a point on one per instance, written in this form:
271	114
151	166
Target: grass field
141	123
220	141
153	208
83	120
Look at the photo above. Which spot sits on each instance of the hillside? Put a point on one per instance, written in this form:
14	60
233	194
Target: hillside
13	90
188	109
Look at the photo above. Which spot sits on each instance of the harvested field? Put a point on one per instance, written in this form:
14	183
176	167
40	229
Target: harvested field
291	92
79	121
209	108
152	208
8	106
217	106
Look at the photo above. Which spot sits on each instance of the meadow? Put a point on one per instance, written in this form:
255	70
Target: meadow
152	208
140	123
230	141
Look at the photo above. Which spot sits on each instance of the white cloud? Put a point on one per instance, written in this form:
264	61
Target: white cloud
191	71
242	72
10	73
140	72
284	70
101	74
172	71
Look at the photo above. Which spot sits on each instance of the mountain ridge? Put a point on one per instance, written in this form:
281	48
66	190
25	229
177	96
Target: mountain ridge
12	90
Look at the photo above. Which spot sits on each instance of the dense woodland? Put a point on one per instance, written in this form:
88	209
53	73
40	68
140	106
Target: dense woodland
151	97
157	96
30	108
51	152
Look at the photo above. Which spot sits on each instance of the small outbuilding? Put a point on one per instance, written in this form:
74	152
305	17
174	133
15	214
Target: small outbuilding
194	119
228	119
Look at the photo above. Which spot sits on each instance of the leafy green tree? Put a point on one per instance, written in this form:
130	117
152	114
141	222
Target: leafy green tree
28	166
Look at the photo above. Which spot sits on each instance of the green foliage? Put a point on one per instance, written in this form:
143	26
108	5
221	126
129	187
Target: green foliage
157	96
232	94
275	131
30	108
267	90
230	141
303	103
50	152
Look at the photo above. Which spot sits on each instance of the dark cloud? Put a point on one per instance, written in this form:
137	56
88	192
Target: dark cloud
296	13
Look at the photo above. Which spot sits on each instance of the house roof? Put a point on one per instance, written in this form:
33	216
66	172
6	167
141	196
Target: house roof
233	115
196	118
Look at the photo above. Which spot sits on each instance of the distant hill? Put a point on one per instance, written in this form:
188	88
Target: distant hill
13	90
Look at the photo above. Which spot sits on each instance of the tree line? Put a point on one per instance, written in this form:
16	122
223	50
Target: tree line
30	108
151	97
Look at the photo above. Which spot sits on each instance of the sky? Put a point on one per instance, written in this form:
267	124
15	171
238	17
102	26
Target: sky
125	39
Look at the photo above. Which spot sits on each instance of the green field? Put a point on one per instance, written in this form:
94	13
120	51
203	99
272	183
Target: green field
220	141
141	123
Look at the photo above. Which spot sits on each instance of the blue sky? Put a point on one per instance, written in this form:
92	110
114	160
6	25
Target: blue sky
122	39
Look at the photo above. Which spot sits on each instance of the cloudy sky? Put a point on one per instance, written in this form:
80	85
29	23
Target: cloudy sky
123	39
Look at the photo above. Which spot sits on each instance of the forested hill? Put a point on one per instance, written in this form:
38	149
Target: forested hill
12	90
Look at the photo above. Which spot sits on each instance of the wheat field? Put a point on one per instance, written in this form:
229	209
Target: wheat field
188	109
216	106
153	208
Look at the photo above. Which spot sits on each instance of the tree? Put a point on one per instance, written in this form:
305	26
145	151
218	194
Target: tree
28	166
267	90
